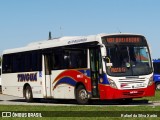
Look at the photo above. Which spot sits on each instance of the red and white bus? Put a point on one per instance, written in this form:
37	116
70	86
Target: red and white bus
103	66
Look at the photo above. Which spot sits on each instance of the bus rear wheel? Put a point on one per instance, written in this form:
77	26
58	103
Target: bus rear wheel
28	94
81	95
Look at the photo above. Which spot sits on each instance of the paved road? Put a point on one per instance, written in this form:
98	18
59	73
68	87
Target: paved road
11	100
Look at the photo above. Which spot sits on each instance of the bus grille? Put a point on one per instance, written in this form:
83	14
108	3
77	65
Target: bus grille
132	83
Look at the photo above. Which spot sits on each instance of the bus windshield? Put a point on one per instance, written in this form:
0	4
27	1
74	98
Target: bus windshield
128	59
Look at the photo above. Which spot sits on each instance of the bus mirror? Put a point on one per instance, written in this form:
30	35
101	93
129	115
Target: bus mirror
103	51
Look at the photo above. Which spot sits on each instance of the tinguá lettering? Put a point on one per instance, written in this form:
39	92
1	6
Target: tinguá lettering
27	77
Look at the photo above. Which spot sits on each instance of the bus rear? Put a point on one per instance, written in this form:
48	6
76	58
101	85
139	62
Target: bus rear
128	66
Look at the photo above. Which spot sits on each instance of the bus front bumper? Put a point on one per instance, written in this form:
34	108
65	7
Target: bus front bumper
107	92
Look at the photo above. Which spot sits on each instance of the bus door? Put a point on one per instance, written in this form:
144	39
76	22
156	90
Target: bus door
94	66
47	74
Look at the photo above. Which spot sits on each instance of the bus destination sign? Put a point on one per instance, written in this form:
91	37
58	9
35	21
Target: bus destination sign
123	40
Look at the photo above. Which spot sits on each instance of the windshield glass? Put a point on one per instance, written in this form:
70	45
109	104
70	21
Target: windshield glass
128	60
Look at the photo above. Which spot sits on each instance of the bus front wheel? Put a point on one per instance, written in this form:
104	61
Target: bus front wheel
28	94
81	95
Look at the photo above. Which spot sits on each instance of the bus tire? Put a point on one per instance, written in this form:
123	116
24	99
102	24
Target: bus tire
28	94
158	86
81	95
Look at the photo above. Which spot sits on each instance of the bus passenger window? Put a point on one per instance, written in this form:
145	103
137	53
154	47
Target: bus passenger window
7	64
78	59
57	59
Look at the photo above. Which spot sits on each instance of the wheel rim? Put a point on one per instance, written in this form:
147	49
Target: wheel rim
82	94
158	87
28	94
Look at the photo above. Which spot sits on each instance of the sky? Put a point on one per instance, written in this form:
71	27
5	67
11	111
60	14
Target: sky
26	21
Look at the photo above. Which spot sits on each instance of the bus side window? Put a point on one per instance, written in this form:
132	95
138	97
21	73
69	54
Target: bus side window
36	60
75	59
66	58
57	59
27	63
7	64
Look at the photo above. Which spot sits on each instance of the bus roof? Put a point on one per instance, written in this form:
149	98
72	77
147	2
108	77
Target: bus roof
62	41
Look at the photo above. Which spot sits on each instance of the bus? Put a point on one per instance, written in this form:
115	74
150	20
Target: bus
156	65
104	66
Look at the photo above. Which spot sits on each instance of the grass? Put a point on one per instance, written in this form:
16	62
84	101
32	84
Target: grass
77	108
95	111
154	98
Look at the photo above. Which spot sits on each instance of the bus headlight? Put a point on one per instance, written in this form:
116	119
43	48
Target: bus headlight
150	81
112	83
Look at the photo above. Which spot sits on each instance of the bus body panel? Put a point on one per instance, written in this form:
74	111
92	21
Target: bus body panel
65	81
135	88
62	84
107	92
131	82
13	83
